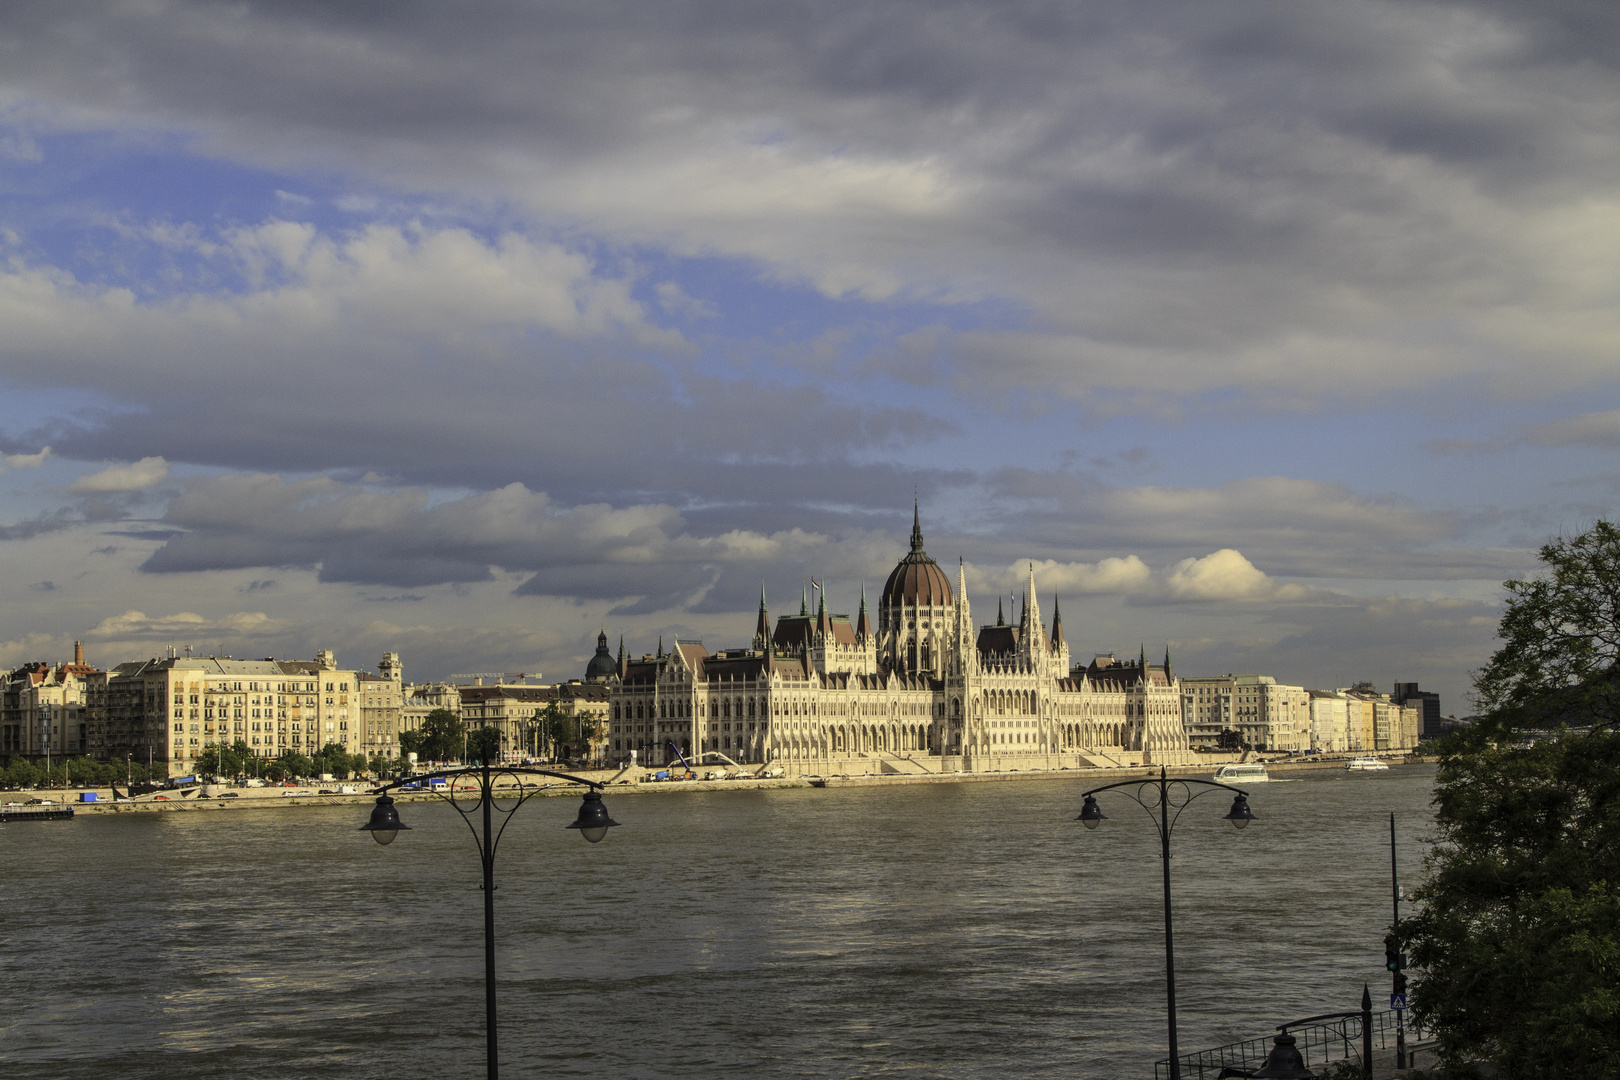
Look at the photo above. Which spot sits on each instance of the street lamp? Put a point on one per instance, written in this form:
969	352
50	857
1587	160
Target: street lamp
1168	813
385	825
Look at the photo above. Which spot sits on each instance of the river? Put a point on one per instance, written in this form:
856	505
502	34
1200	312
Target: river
969	930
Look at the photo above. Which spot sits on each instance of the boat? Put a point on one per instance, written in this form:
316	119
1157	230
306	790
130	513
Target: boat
1241	774
1366	764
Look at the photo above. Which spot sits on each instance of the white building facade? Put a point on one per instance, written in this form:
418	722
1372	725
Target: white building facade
925	690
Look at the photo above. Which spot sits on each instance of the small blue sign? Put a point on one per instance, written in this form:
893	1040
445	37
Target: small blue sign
1397	1001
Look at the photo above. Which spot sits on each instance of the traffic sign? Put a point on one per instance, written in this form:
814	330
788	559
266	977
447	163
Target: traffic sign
1397	1001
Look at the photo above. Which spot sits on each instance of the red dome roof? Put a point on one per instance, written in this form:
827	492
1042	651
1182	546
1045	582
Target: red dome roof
917	581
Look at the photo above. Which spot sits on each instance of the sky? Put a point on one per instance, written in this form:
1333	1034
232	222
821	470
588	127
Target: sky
1277	335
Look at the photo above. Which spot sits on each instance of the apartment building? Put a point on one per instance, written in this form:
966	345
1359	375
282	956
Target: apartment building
44	709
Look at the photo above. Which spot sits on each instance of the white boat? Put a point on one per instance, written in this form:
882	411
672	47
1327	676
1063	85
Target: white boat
1241	774
1366	764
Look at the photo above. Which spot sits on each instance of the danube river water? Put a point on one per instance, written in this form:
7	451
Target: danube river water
967	930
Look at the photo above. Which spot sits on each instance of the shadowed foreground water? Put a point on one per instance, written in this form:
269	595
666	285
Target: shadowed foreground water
951	930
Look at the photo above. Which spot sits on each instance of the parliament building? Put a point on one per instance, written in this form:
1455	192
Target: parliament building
925	690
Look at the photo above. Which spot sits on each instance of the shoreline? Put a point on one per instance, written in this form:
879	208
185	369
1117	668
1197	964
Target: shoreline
285	798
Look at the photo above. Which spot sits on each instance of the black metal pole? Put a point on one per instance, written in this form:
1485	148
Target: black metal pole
1366	1032
489	926
1169	933
1395	899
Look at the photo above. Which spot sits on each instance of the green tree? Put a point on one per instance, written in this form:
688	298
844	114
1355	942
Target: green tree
1230	741
410	742
1516	943
443	736
21	773
484	744
1560	640
553	729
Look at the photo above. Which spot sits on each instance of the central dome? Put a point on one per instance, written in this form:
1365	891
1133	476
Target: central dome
917	581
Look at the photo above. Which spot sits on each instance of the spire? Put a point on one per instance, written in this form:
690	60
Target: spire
601	639
916	527
621	648
1167	674
1141	663
624	661
823	624
1000	619
804	602
863	625
1057	624
660	646
1032	612
762	626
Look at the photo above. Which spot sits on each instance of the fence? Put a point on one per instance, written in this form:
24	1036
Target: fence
1321	1042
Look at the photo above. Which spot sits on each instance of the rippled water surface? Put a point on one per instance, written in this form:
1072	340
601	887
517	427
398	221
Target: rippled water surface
948	930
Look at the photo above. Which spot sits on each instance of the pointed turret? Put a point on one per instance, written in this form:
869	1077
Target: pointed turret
863	624
804	602
1057	625
1141	663
823	624
1000	619
762	625
660	646
624	661
916	527
1032	614
1167	671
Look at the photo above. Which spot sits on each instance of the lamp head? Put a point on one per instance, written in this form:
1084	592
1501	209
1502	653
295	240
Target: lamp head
384	824
1090	813
1240	815
1284	1062
593	821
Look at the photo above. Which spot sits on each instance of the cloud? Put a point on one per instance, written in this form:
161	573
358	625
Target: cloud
1128	574
142	474
134	625
1225	575
25	461
43	586
1591	429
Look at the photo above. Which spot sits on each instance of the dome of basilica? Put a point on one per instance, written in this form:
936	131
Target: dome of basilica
602	666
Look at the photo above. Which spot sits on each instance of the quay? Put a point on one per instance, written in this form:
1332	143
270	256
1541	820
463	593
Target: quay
627	781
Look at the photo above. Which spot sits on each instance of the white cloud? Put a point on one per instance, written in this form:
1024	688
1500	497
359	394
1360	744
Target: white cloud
1225	575
1111	575
26	461
1591	429
142	474
185	625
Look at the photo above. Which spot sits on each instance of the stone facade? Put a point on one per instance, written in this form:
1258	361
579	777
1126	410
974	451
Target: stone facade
924	690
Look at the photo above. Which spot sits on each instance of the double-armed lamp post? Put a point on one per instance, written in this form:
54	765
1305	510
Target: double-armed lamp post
1164	799
593	823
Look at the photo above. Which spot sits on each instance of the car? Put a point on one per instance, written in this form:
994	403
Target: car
228	795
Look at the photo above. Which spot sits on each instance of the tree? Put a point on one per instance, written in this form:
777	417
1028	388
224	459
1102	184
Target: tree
1516	945
1230	741
1561	640
484	744
443	736
554	727
410	742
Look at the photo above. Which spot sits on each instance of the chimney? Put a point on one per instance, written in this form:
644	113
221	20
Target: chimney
78	652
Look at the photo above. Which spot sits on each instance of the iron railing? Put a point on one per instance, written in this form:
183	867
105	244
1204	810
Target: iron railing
1321	1043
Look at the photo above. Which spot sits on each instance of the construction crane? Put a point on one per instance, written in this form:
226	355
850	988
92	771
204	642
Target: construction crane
499	676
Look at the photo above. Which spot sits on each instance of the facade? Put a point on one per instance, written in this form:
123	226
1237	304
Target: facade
1269	716
171	709
924	689
1206	708
1426	702
382	704
511	708
1330	722
44	709
1377	723
420	699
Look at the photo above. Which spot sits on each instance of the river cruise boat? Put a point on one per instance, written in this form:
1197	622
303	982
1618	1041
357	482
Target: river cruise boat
1241	774
1366	764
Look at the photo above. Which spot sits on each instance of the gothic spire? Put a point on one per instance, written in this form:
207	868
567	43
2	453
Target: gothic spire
863	626
660	646
762	626
1167	674
916	527
804	602
1000	619
1057	624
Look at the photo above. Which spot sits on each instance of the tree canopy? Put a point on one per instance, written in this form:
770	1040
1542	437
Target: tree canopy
1516	943
1560	639
443	736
